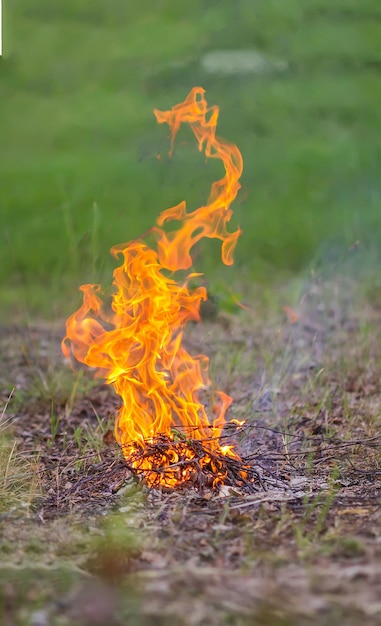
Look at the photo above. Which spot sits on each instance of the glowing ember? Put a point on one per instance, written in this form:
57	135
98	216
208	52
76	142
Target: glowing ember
135	341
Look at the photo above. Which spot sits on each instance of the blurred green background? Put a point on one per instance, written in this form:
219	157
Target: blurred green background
78	166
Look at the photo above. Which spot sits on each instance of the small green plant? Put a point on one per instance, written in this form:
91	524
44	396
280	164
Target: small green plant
310	526
344	547
119	543
54	424
89	439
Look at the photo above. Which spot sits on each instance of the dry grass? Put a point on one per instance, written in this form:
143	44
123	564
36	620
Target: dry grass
293	552
18	471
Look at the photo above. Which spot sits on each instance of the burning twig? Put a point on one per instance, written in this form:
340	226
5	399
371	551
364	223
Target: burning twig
163	462
136	342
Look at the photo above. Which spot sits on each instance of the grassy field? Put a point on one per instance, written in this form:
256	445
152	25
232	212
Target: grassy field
78	169
82	540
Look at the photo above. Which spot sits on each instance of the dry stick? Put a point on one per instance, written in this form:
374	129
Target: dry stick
321	439
231	469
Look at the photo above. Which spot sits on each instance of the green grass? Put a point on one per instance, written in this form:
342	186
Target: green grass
78	169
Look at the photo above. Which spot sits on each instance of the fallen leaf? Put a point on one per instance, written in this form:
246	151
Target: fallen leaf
158	561
354	511
292	315
108	438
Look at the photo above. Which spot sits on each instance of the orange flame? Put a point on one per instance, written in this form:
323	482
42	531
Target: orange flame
135	341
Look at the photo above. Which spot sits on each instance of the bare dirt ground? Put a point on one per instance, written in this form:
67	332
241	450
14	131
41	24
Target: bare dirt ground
94	546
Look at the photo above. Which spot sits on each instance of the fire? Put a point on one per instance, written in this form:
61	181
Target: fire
134	339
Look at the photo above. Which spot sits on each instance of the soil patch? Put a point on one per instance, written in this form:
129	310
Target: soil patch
302	547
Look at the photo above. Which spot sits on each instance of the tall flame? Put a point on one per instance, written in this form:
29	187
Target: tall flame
135	340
